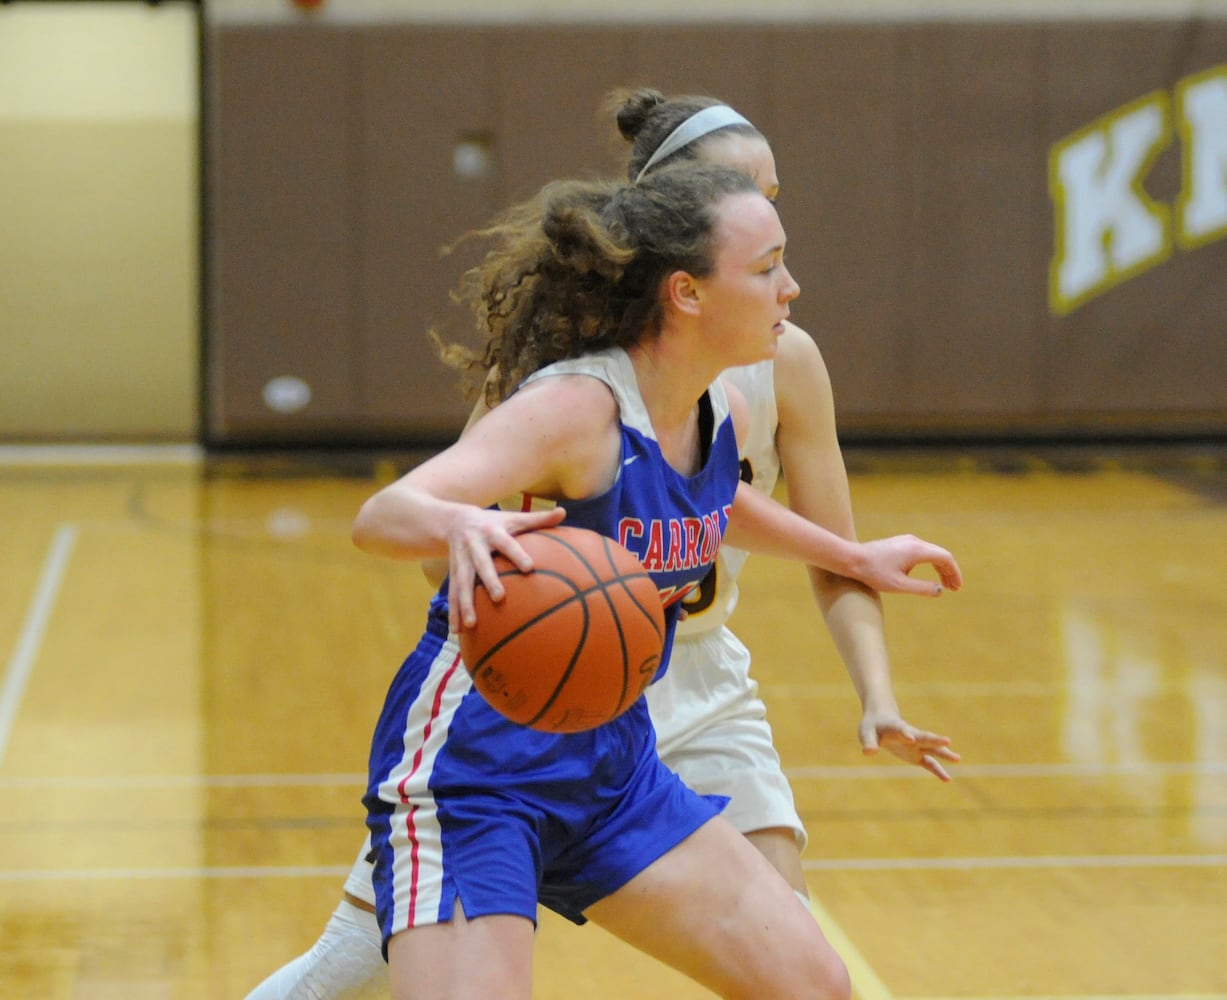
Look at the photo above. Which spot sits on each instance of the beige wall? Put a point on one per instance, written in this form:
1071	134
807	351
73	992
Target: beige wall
99	325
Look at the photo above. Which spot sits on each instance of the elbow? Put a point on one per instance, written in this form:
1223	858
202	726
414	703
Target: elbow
381	529
363	533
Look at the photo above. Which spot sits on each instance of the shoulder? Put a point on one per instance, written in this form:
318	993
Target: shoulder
568	403
795	345
800	376
564	428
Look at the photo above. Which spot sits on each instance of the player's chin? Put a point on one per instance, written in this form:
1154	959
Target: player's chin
766	352
771	346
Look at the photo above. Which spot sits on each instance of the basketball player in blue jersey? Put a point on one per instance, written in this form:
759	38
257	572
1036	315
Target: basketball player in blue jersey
714	733
618	306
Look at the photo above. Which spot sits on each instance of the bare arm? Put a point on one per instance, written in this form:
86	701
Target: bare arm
818	490
440	508
758	523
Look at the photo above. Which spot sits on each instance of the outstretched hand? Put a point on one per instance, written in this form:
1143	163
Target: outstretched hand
471	548
905	741
886	562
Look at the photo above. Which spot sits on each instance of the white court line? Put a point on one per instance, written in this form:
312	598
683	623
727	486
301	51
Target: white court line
887	771
848	864
1090	770
58	455
1017	862
120	781
176	874
959	689
21	663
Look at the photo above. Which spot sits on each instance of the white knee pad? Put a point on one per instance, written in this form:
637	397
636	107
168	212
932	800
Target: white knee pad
346	963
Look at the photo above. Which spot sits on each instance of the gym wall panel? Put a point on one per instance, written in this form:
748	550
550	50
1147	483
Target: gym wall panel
976	278
707	59
548	93
916	158
840	137
283	178
422	93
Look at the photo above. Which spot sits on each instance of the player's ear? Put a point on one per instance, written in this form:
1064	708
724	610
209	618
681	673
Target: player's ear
682	291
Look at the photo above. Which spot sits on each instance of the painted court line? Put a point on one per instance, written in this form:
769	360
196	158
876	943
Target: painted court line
175	874
847	864
29	641
1089	770
886	771
123	781
962	689
64	455
1019	862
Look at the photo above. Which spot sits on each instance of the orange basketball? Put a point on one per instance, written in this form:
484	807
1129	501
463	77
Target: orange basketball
573	644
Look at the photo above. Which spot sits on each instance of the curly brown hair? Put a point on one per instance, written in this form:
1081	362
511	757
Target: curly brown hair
578	268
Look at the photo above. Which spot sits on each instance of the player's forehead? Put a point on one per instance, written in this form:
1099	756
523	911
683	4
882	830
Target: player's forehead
751	154
749	227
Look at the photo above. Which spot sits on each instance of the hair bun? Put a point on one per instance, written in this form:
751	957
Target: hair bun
634	108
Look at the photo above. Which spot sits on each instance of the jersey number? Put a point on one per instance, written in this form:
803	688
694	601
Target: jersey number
701	598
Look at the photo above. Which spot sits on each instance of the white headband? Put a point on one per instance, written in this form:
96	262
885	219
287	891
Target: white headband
695	127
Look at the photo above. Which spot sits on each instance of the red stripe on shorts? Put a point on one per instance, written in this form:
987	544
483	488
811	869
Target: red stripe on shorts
410	828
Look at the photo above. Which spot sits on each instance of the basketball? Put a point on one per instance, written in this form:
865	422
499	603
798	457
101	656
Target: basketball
572	644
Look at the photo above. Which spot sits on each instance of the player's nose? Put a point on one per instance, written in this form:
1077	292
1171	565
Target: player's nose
790	289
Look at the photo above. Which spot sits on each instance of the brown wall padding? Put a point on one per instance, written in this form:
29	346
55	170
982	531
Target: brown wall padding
914	161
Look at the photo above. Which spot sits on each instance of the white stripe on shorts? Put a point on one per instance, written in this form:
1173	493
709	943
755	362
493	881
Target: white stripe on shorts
416	838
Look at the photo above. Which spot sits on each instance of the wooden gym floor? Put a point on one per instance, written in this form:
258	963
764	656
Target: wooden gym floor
194	655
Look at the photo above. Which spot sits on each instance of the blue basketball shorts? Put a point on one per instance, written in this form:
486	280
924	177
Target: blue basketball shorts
463	805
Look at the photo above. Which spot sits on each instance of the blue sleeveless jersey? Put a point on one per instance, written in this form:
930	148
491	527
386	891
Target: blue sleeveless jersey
672	522
464	804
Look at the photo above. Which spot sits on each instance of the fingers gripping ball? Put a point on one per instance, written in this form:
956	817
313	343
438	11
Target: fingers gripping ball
572	644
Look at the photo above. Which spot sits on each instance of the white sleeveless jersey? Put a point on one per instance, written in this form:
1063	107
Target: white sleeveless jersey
709	607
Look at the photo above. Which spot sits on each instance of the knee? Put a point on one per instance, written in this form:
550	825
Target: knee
836	983
826	976
814	971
